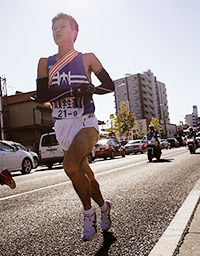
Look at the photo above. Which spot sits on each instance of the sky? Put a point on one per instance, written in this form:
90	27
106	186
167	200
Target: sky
129	36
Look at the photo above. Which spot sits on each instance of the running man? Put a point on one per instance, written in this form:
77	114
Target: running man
64	80
7	179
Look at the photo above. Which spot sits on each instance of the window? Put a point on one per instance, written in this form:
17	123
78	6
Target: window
4	147
49	140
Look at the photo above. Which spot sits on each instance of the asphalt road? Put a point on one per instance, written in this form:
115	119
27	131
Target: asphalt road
43	215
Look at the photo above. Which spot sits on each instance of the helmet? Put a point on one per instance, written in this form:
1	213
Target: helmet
151	126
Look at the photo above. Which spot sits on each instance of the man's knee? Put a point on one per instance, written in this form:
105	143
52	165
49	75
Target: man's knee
71	166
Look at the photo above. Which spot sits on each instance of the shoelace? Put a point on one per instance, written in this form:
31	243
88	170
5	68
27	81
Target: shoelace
104	216
87	223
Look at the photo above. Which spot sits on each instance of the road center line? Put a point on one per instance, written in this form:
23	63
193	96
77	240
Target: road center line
55	185
58	184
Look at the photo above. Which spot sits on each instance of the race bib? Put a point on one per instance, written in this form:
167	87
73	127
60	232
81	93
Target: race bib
65	109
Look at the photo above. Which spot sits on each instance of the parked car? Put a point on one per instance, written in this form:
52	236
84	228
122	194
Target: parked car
123	142
14	159
49	150
173	143
185	141
135	146
164	144
91	156
198	139
23	148
180	140
109	148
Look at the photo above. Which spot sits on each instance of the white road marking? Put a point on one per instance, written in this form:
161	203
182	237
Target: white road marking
55	185
98	174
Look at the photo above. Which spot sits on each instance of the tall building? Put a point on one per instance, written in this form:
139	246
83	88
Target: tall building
192	120
195	111
163	103
143	95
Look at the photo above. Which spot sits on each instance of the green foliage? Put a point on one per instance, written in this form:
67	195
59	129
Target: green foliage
139	131
156	123
122	123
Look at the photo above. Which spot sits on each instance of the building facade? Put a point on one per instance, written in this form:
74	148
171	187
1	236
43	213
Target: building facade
25	119
144	96
192	120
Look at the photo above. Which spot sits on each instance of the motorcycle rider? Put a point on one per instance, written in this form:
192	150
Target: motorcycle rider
156	149
153	132
192	134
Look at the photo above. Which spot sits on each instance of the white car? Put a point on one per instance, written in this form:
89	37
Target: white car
15	159
164	144
198	139
23	148
49	150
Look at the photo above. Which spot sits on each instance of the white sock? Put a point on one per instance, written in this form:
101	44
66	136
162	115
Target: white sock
104	206
88	212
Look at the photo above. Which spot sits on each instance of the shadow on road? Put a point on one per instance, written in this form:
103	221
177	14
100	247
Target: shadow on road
16	174
45	168
163	161
108	240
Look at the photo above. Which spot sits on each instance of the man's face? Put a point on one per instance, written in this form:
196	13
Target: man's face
63	33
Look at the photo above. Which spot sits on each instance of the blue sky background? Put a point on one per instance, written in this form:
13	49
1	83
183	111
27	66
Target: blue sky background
129	36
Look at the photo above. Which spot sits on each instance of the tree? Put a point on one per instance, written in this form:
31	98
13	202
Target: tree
156	123
122	123
139	130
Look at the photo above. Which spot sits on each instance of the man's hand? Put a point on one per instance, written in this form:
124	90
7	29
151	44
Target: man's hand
83	90
79	102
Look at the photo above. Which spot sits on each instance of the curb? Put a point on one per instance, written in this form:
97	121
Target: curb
173	236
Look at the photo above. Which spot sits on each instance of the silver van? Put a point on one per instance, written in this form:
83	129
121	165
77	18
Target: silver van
49	150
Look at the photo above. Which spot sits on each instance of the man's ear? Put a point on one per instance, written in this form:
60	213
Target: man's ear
75	34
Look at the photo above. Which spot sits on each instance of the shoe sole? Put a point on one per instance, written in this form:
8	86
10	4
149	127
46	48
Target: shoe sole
12	183
89	238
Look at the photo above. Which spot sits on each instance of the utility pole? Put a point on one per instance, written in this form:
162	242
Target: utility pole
1	113
4	110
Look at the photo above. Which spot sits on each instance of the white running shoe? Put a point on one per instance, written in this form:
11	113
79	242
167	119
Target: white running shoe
90	227
105	217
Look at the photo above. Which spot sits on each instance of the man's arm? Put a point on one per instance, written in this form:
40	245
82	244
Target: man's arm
42	70
43	93
107	83
92	64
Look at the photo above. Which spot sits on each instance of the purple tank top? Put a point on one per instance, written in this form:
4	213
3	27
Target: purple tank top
71	75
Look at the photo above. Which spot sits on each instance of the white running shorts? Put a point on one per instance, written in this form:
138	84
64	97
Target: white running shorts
66	129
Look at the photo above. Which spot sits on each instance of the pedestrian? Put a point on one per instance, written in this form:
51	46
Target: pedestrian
7	179
64	80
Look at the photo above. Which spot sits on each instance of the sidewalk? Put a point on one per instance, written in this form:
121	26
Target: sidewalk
182	237
191	242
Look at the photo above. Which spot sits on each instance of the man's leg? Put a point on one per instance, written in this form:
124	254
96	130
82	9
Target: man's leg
81	146
94	185
96	195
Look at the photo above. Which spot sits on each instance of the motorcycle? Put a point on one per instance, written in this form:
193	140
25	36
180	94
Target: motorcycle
154	149
191	145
